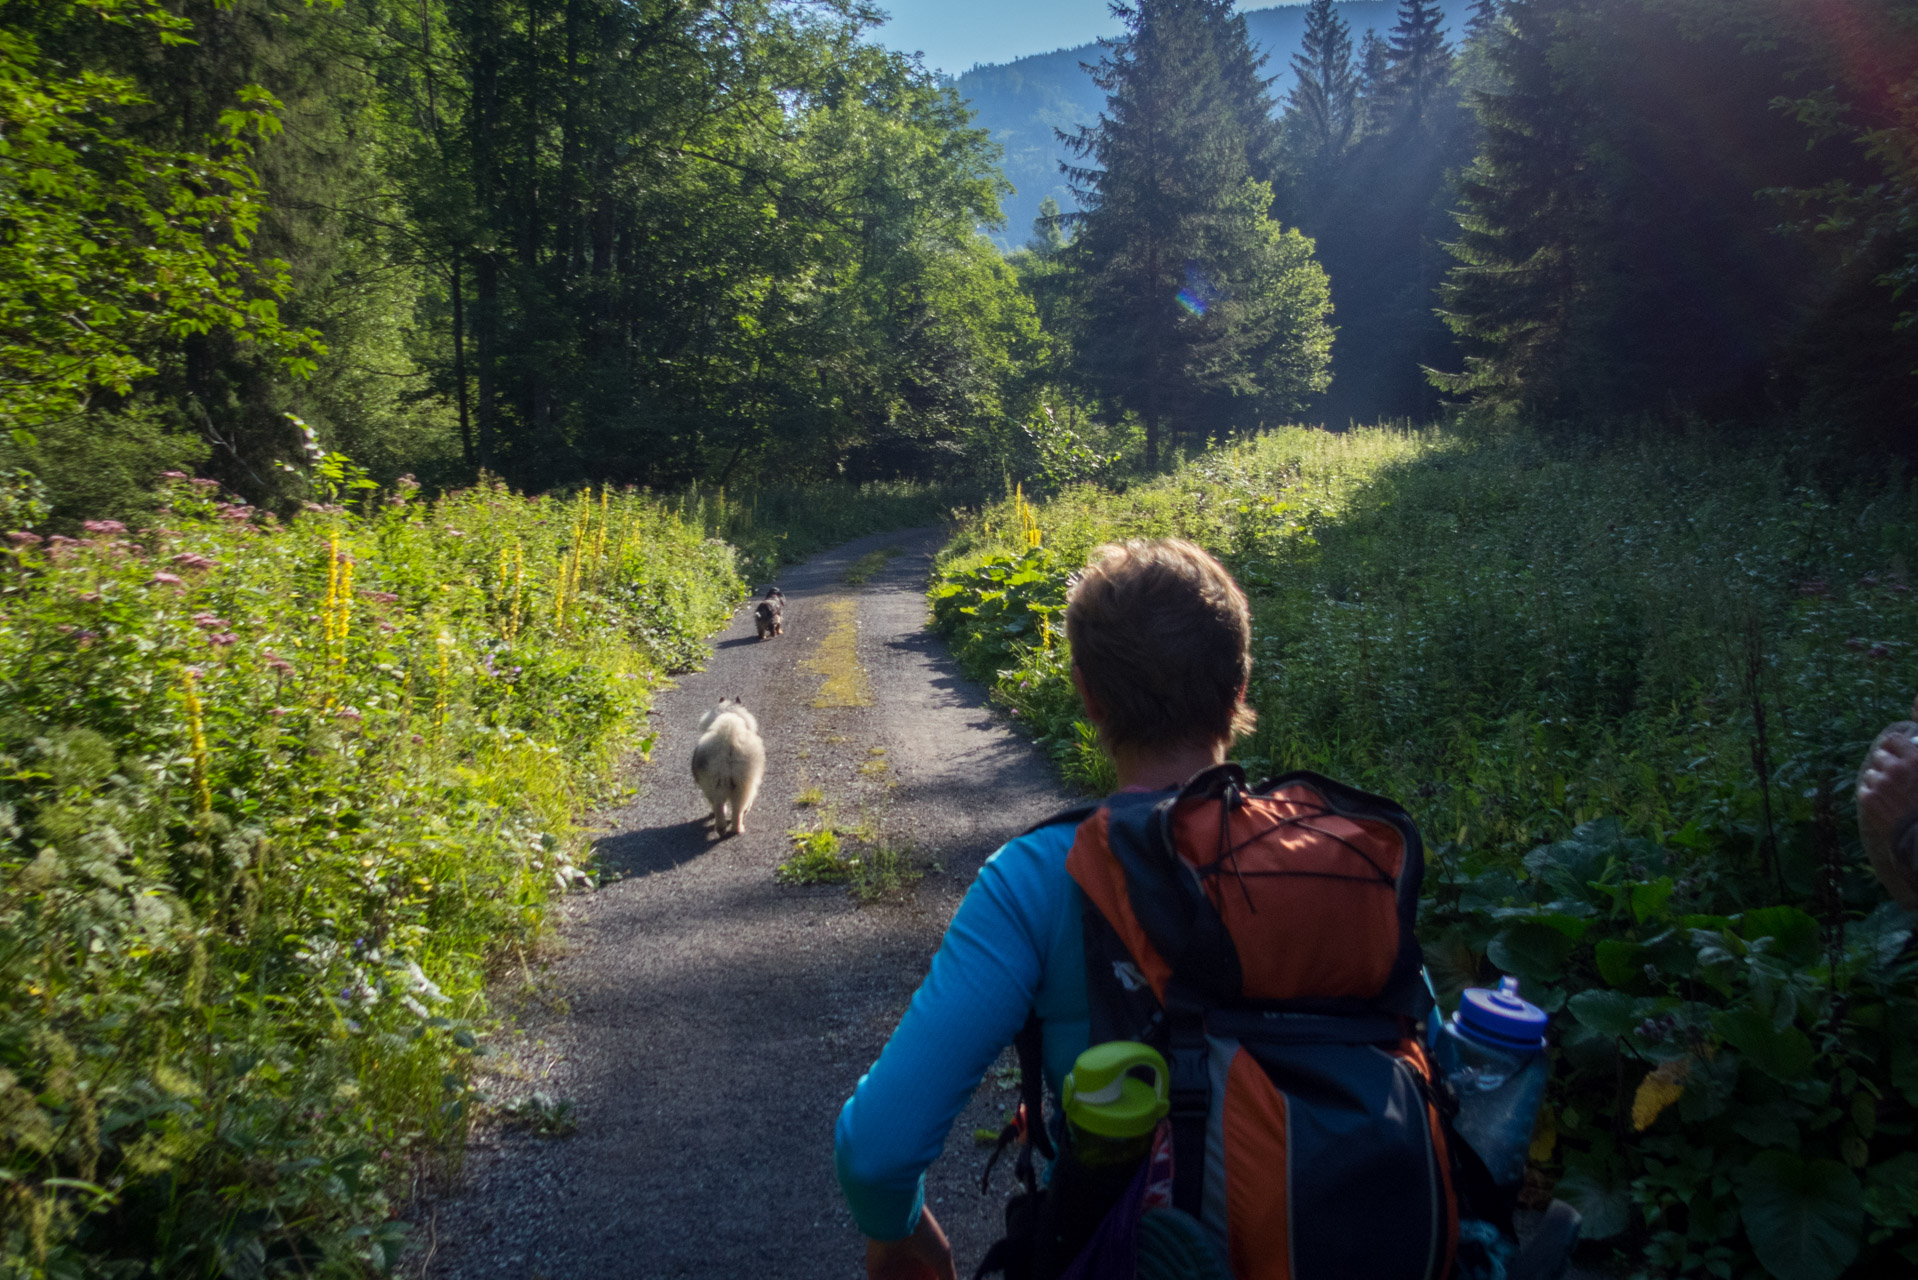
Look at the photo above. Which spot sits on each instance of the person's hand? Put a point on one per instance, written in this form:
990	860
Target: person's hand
923	1255
1887	800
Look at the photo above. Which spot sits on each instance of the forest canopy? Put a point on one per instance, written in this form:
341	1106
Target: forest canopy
574	241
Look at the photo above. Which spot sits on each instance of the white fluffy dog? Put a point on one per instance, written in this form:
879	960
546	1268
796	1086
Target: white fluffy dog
728	763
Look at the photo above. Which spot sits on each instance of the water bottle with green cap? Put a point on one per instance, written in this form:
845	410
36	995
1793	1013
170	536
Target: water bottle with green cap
1113	1099
1115	1096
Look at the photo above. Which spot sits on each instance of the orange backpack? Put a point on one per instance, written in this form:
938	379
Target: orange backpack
1262	939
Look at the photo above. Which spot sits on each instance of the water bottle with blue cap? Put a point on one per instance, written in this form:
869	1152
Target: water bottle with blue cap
1492	1052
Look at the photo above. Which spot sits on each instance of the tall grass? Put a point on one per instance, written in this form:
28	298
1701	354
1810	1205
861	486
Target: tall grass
275	798
1623	687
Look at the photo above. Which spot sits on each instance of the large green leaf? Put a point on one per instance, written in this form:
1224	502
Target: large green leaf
1803	1217
1605	1206
1530	949
1782	1054
1618	961
1796	938
1610	1013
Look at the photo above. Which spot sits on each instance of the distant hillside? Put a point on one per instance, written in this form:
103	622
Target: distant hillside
1022	102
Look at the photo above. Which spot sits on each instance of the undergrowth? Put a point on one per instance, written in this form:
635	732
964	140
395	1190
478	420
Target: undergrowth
1623	687
274	799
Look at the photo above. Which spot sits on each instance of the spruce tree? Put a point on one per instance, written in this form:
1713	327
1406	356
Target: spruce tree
1182	271
1375	83
1420	57
1320	108
1048	231
1485	15
1525	205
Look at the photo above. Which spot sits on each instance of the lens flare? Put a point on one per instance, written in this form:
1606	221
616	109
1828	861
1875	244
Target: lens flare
1200	295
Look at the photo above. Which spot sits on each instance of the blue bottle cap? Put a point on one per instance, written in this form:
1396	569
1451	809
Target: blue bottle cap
1502	1018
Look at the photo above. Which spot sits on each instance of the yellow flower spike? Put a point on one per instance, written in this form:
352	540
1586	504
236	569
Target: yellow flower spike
345	622
196	734
332	589
519	583
1659	1090
439	690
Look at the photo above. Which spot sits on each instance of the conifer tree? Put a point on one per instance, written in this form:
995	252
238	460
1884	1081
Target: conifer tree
1048	231
1320	108
1525	201
1189	290
1420	57
1374	83
1485	15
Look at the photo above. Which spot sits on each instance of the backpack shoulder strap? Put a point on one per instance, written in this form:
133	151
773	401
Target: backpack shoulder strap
1074	814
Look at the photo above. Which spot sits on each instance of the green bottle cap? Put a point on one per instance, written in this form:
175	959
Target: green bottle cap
1102	1096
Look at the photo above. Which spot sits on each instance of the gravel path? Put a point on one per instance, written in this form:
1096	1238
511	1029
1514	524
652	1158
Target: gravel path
707	1022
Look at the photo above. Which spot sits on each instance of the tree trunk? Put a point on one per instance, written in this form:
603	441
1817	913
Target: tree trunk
459	364
486	333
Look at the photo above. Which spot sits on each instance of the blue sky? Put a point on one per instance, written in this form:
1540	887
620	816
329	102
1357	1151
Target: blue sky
954	34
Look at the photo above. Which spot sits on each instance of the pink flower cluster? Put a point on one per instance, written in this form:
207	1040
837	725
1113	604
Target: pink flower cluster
194	560
104	526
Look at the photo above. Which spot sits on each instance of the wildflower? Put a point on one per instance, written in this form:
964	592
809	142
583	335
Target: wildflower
417	740
279	664
224	639
64	628
85	638
1814	587
1870	579
1879	651
20	537
235	511
451	532
193	560
201	482
168	579
196	672
90	597
349	713
382	597
1854	643
210	622
173	475
280	712
104	526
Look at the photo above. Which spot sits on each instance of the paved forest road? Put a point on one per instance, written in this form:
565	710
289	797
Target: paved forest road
707	1022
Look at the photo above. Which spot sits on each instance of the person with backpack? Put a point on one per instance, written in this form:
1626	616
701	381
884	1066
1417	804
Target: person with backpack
1260	939
1888	809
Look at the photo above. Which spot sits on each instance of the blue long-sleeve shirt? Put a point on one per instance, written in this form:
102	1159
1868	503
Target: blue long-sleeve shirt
1014	945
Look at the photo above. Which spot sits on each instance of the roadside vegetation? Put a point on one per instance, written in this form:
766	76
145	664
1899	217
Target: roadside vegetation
277	797
1624	688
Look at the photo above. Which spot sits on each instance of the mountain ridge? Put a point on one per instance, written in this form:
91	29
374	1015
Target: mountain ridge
1020	103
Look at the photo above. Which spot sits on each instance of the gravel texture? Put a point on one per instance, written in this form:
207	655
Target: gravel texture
707	1022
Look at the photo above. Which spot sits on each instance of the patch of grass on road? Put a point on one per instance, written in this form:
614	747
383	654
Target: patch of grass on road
872	562
816	859
877	871
843	680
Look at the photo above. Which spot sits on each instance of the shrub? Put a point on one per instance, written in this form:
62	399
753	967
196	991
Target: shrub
274	797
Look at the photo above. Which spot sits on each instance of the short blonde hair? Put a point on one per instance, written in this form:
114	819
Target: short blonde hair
1162	637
